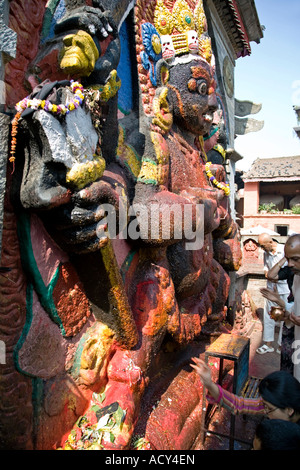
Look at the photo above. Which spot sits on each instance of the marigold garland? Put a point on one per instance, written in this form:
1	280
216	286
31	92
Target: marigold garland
212	178
14	131
221	150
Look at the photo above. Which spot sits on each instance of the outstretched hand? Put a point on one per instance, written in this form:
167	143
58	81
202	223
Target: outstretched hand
94	20
203	371
272	296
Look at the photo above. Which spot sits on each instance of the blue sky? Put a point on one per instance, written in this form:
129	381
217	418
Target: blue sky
271	76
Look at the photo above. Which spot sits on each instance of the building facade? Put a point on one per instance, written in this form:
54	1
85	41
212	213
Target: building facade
272	195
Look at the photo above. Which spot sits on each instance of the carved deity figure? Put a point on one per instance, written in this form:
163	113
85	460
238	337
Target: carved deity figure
159	276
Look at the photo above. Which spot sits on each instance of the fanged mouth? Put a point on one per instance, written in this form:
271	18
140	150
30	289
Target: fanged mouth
207	117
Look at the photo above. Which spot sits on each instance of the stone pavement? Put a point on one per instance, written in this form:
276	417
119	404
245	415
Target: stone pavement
261	365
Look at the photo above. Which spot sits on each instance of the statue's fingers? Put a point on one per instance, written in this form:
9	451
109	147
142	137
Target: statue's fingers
75	216
79	235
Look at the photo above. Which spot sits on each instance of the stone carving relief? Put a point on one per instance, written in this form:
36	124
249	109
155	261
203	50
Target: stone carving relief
251	250
98	314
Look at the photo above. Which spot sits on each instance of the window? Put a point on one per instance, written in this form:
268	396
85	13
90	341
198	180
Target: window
282	230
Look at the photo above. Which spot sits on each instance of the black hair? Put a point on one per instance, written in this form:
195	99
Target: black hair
281	389
276	434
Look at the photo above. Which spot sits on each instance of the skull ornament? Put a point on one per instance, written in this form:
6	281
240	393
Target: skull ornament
168	51
193	42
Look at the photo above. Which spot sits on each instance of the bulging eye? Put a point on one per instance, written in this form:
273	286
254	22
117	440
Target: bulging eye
192	84
202	88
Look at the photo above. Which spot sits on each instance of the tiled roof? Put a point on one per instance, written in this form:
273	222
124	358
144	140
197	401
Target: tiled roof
274	169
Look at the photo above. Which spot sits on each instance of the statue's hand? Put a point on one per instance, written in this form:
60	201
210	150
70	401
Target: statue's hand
81	226
94	20
206	198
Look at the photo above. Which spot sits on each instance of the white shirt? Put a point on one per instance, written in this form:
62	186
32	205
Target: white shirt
270	259
295	308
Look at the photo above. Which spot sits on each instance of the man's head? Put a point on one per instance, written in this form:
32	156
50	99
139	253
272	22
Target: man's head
277	434
292	253
266	242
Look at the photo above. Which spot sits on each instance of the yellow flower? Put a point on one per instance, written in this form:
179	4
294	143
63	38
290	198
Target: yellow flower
78	93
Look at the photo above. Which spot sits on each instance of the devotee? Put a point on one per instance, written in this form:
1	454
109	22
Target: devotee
277	434
278	272
273	252
291	311
279	395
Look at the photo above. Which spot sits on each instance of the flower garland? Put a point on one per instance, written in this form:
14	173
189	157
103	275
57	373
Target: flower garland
46	105
221	150
56	109
14	131
220	185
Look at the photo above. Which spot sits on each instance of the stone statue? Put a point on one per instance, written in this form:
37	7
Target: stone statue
116	272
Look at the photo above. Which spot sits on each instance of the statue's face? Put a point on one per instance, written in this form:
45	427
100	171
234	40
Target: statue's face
192	90
79	54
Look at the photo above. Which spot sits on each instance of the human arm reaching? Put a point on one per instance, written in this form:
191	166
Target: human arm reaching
294	319
204	372
273	297
289	316
217	394
272	274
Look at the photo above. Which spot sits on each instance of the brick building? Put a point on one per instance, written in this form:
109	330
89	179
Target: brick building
271	195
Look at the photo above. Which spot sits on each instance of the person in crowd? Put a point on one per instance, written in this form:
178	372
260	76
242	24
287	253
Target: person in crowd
273	252
279	395
277	434
291	310
279	272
